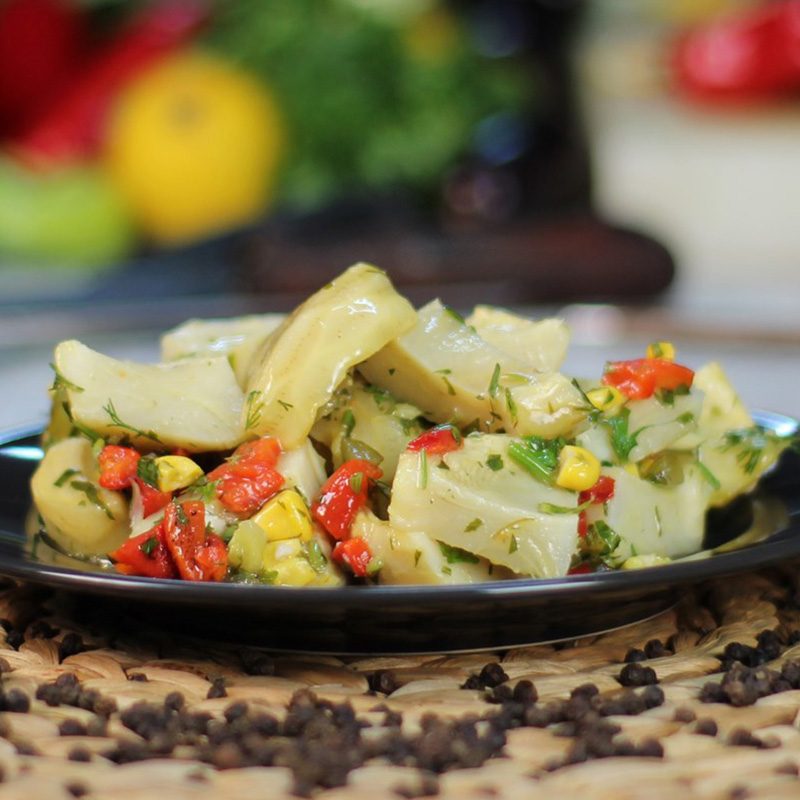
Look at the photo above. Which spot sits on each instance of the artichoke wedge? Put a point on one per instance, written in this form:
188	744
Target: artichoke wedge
480	501
308	356
195	404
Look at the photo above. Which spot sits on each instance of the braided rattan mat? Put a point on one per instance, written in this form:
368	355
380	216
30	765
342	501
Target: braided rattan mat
91	710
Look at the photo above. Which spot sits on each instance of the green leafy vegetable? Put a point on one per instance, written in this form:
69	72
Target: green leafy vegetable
455	555
537	456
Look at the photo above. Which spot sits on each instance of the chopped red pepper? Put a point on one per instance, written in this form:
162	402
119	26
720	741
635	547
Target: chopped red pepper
640	378
580	569
583	525
248	479
118	466
152	499
355	553
146	555
601	492
73	126
437	441
197	555
343	495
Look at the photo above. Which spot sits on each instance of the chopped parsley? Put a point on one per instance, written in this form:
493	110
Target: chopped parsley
90	490
348	422
451	312
710	477
149	545
286	406
455	555
538	456
474	525
147	470
512	406
422	475
751	443
494	462
315	556
65	476
494	383
551	508
622	441
61	381
513	544
417	557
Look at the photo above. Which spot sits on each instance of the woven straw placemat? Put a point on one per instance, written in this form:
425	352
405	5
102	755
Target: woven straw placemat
701	701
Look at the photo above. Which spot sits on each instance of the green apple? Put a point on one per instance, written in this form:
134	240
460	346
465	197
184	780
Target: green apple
68	217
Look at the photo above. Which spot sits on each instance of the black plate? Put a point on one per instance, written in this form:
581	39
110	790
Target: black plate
400	619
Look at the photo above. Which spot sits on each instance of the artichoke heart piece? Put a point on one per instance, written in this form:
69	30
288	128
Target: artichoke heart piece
237	338
301	364
412	557
648	518
195	404
78	513
368	416
501	514
445	368
541	344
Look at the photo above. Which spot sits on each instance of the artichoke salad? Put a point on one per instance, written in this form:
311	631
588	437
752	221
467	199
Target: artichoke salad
359	438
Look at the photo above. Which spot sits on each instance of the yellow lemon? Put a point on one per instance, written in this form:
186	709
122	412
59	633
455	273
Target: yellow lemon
194	146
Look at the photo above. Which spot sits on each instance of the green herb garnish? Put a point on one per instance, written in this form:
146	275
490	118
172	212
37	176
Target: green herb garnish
537	456
494	462
149	545
315	556
65	476
474	525
348	422
422	475
115	419
455	555
90	490
255	407
61	381
147	470
494	383
710	477
356	482
512	406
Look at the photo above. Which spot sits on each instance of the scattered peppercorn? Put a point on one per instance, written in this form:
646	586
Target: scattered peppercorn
636	675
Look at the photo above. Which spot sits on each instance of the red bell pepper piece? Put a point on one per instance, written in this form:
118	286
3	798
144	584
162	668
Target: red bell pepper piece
41	43
198	556
601	492
437	441
73	127
343	495
152	499
748	56
146	555
355	553
640	378
580	569
118	466
248	479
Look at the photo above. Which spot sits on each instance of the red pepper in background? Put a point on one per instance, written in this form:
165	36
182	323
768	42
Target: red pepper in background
343	496
749	56
601	492
146	555
355	553
248	479
73	125
197	555
580	569
152	499
118	466
41	44
640	378
437	441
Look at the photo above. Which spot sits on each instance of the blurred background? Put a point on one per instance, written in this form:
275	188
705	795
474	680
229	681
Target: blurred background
632	165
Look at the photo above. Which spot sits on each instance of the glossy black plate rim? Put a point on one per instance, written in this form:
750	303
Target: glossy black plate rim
782	545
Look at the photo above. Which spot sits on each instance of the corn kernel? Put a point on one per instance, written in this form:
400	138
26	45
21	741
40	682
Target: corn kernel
246	547
285	516
176	472
606	398
578	469
664	350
